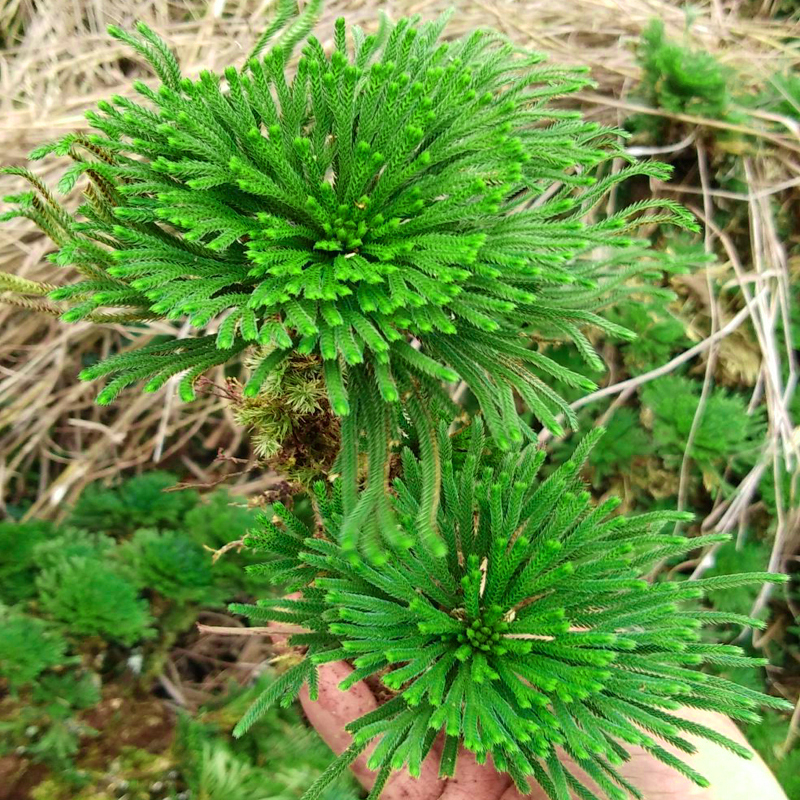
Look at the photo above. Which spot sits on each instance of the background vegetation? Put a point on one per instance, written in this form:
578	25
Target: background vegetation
701	409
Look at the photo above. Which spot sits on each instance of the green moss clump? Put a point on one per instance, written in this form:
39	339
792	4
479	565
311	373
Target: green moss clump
90	598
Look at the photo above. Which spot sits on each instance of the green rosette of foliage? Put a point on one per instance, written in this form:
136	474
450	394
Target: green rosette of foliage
401	189
92	598
537	630
405	210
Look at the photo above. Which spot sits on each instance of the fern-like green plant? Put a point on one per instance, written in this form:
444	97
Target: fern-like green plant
75	690
91	598
45	725
212	772
143	501
728	434
172	565
42	693
405	210
68	543
18	564
536	631
276	761
625	441
28	647
681	79
660	334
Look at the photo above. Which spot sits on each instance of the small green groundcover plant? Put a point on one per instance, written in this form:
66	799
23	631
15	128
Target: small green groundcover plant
80	607
536	631
393	214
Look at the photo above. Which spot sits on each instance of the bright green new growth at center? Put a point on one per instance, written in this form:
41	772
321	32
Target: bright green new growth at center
484	631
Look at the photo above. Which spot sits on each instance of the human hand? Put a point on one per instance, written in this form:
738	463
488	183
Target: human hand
731	777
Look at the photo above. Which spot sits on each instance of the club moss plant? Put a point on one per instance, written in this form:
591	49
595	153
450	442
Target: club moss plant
396	213
537	631
405	209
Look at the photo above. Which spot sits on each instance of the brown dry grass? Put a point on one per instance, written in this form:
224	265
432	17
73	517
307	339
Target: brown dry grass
59	61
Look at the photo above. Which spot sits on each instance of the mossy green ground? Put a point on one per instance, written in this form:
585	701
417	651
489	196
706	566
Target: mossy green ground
80	713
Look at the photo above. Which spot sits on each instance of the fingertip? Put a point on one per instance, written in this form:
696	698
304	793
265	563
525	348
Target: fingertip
335	708
346	703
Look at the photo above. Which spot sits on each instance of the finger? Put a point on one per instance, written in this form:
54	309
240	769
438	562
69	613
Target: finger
537	793
334	709
428	786
731	777
401	786
475	781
